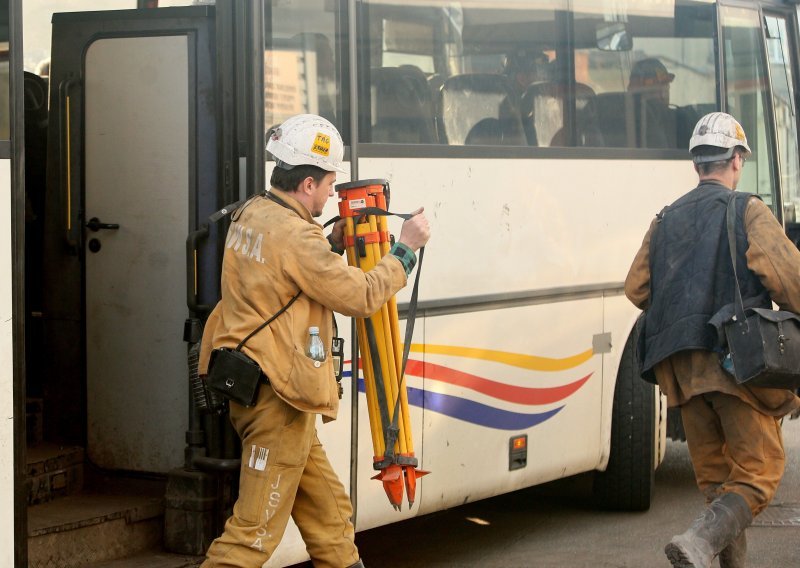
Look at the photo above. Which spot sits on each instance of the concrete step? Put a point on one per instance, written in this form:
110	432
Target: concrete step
111	518
152	559
53	471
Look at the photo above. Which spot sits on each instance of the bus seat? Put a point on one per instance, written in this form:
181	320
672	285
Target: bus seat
614	113
402	106
656	124
435	83
487	132
467	100
543	114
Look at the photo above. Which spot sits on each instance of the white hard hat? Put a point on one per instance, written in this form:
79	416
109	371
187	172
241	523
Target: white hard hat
307	139
722	131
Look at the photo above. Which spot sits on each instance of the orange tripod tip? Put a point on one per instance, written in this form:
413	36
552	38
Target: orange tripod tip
392	479
411	475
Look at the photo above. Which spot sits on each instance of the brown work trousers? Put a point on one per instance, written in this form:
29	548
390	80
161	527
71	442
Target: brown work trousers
284	471
734	448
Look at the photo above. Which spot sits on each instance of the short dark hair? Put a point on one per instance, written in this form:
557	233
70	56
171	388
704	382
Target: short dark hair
706	168
288	180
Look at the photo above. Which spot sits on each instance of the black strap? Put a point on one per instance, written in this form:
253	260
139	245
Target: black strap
731	224
363	212
232	207
278	200
225	211
393	431
269	321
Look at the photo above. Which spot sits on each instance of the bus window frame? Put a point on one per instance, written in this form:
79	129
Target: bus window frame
382	150
14	149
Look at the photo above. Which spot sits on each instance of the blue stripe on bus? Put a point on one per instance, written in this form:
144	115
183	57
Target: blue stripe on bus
474	412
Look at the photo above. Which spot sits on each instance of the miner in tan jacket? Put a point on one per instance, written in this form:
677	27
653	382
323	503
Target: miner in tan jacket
275	249
683	275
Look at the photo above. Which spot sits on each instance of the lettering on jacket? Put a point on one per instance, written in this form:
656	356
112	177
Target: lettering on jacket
240	239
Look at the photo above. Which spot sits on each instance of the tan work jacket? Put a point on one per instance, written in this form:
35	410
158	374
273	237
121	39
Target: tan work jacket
272	252
776	261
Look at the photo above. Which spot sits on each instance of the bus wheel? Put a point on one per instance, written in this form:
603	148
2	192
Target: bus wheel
627	483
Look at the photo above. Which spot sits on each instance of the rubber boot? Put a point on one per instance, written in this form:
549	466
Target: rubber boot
718	526
358	564
735	554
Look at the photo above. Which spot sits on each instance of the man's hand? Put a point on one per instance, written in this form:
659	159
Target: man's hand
337	234
416	231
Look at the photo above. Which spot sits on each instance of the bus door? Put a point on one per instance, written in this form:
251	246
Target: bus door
131	94
781	50
758	78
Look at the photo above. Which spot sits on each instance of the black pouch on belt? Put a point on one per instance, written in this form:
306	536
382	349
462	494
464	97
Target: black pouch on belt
234	375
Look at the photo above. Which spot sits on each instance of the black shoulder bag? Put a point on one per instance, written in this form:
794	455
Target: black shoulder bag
764	344
233	374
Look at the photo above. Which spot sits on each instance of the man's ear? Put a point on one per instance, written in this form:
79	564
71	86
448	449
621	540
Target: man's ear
737	164
307	185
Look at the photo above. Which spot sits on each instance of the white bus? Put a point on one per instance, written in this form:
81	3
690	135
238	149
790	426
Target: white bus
541	136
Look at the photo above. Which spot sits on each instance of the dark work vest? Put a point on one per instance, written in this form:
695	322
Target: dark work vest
691	277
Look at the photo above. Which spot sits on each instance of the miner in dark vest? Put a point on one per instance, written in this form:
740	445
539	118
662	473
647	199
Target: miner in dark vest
682	276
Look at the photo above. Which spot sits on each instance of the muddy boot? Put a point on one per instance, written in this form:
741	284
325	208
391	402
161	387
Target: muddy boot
735	554
716	528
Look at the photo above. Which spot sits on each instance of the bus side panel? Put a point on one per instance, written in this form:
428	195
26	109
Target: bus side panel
491	376
517	225
6	375
514	226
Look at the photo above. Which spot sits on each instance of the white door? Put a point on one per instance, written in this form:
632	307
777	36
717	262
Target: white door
137	176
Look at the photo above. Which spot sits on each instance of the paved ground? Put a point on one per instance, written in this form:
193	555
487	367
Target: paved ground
554	526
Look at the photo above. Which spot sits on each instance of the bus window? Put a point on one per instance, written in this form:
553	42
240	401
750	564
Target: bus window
651	90
746	81
36	29
302	67
461	73
779	55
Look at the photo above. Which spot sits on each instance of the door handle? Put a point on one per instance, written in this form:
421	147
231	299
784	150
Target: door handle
95	225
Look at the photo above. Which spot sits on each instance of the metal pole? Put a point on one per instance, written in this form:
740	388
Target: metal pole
352	65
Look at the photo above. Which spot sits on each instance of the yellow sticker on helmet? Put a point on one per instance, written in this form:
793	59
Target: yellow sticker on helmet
322	144
739	133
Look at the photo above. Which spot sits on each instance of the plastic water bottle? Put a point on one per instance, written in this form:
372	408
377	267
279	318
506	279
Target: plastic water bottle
727	364
315	349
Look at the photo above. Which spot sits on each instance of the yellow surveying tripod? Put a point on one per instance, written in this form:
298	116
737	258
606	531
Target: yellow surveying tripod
363	205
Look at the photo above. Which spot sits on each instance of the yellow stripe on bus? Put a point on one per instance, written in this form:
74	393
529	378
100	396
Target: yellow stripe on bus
530	362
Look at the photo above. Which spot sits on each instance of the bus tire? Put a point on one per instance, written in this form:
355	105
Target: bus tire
628	481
